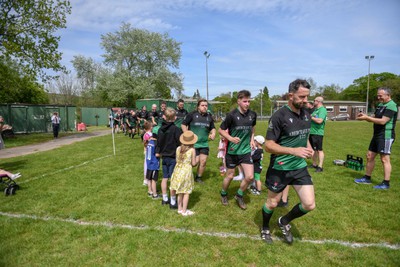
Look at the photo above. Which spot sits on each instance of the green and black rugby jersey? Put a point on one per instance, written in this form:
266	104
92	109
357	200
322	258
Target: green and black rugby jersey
239	125
289	129
389	110
180	115
132	119
160	118
201	125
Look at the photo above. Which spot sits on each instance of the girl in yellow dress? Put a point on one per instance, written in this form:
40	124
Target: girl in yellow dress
182	180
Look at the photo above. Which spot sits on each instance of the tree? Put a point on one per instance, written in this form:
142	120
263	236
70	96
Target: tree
87	71
27	33
64	90
358	90
141	62
313	85
15	87
330	92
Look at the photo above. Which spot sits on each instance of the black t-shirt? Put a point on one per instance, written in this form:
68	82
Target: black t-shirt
289	129
257	157
143	114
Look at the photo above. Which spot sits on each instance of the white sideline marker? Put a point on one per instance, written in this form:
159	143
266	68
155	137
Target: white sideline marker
65	169
200	233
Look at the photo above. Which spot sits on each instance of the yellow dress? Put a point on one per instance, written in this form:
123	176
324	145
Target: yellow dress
182	179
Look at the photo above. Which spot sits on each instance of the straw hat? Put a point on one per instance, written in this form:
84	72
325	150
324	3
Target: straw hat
188	138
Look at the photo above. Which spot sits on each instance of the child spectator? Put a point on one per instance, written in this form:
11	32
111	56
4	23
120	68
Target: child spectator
167	143
182	180
221	154
153	166
146	137
257	156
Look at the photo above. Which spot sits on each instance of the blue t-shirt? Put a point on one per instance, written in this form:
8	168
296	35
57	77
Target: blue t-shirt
152	162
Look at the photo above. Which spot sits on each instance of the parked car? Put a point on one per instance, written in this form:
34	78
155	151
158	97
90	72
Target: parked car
341	117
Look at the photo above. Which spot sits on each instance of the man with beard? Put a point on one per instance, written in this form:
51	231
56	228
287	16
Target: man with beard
287	141
202	124
181	112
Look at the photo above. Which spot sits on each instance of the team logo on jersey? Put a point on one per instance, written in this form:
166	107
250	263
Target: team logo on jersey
291	120
238	118
305	118
281	162
197	116
275	186
250	118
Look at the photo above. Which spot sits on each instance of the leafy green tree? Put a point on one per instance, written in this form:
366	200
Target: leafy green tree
141	63
15	87
358	90
329	92
226	105
87	71
28	33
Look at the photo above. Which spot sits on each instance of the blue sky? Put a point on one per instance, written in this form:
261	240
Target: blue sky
253	43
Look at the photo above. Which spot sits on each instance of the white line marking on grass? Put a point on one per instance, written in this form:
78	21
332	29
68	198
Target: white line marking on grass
200	233
65	169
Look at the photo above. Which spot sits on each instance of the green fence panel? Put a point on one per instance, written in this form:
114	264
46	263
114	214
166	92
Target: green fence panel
37	118
95	116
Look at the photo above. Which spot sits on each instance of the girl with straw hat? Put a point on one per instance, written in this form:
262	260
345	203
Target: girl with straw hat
182	180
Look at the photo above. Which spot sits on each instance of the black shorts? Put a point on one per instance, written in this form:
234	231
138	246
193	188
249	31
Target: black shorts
234	160
316	142
152	175
202	150
277	180
381	146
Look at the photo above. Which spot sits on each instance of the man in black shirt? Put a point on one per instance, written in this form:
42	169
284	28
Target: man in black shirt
287	141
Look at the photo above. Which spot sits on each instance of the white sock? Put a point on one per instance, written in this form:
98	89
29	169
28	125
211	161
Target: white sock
165	197
173	200
238	177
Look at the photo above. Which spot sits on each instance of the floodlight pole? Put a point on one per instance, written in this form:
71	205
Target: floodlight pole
207	55
369	58
261	103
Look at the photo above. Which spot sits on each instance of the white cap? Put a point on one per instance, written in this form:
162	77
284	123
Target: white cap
260	139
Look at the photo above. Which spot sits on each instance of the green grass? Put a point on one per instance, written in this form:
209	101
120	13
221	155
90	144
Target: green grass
110	190
35	138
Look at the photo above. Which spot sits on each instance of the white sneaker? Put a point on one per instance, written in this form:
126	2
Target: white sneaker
188	213
15	176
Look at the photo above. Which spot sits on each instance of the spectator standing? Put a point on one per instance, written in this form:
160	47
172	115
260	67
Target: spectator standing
318	119
167	143
55	122
1	130
182	181
382	140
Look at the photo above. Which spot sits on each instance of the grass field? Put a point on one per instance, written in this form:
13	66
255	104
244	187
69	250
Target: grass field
80	205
